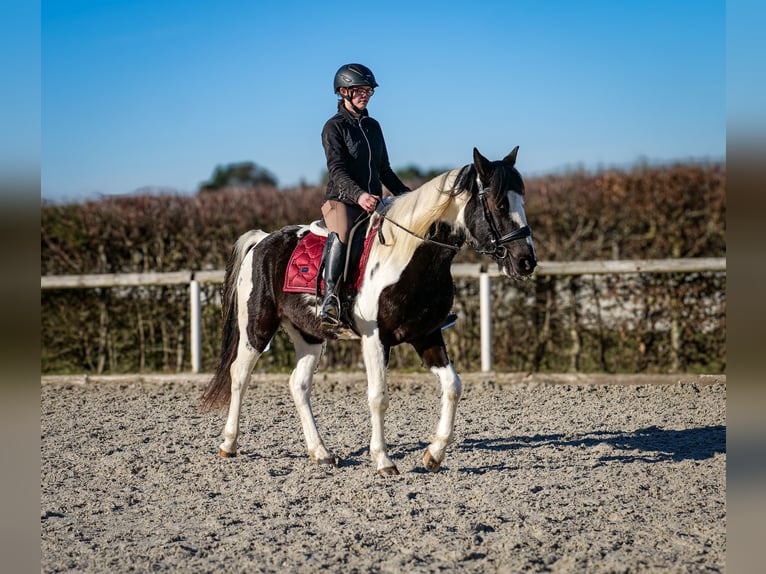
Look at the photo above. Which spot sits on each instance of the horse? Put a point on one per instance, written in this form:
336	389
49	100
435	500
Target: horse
405	296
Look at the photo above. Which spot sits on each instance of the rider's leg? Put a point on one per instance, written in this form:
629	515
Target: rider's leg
339	218
333	268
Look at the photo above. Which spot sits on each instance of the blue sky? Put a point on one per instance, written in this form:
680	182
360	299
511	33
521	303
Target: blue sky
157	93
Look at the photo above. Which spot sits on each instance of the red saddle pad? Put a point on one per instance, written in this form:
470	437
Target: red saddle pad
301	274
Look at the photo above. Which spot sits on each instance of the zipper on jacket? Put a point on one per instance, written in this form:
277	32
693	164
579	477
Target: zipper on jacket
369	157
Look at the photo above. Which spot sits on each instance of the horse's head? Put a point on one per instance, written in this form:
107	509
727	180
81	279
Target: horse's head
495	214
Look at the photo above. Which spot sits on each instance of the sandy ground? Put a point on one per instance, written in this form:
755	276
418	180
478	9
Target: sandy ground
568	474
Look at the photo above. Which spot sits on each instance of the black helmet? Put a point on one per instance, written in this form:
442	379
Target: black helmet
352	75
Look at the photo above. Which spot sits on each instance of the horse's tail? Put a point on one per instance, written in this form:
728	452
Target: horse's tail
218	392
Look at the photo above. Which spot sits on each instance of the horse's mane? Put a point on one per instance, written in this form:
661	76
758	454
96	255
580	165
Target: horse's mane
419	209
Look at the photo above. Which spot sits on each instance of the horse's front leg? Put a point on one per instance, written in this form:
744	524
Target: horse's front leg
435	357
375	361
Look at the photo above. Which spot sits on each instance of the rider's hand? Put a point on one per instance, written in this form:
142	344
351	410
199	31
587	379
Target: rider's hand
368	202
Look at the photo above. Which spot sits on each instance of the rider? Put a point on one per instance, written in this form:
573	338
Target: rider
357	164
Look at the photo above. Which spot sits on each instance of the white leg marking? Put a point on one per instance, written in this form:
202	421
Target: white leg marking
377	396
301	381
243	364
241	369
451	391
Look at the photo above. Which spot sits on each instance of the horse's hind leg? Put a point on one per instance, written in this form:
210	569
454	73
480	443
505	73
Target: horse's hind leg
253	339
301	379
241	369
435	358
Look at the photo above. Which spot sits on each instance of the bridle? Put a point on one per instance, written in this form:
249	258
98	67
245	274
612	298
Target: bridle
498	242
498	251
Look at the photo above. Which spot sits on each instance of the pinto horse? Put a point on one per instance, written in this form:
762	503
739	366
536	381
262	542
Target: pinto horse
405	297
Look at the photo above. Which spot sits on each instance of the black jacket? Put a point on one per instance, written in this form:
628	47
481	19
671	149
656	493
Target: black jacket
357	160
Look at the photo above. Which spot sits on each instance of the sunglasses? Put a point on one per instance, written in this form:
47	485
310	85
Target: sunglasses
362	91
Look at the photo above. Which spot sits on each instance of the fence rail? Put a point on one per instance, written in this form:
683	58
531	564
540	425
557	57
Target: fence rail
195	278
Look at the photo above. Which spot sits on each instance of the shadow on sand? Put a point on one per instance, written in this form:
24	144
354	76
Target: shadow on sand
651	444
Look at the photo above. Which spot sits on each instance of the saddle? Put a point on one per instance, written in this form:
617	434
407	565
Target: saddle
304	268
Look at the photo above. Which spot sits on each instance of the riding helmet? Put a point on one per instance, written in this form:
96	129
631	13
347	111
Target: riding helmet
351	75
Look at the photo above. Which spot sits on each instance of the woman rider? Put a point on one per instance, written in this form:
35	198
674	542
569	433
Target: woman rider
357	165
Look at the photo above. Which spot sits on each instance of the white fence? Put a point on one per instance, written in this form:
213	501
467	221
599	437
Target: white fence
195	278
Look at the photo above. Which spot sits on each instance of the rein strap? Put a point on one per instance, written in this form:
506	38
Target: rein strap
382	239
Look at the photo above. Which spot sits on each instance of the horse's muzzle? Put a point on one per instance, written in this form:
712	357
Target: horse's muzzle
518	268
526	265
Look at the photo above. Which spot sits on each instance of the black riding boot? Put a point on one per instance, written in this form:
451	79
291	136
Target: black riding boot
333	268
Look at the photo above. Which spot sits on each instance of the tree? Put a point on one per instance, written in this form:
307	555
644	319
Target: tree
243	174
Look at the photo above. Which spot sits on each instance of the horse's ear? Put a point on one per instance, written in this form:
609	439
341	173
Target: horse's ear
482	164
511	157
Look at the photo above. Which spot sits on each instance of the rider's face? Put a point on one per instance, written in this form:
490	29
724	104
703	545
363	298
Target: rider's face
360	95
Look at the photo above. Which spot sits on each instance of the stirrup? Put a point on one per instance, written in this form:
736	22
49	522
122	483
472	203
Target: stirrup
331	318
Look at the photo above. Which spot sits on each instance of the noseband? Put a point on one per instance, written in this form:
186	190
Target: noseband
498	241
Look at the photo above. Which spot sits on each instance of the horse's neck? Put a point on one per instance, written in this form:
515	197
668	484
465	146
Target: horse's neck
413	215
432	202
452	200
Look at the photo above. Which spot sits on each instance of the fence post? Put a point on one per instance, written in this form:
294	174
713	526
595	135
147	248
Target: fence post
485	314
196	326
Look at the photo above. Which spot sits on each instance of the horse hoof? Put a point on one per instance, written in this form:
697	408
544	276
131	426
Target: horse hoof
329	461
389	471
431	464
223	454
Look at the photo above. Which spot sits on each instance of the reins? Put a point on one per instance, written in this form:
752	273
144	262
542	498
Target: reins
382	239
